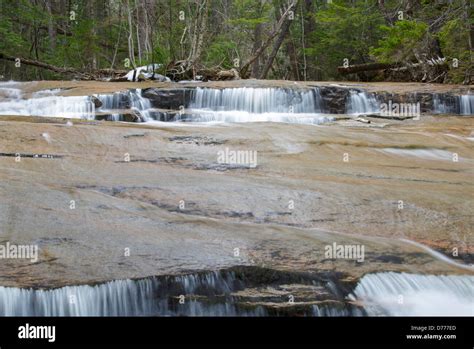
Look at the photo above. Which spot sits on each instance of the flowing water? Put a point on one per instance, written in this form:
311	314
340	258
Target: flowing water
206	105
449	104
244	104
146	297
210	294
213	293
401	294
132	100
53	106
248	104
362	103
467	104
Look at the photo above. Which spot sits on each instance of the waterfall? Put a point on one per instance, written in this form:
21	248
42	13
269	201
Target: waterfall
326	311
48	103
402	294
54	106
118	103
140	104
466	103
44	103
10	93
450	104
257	100
219	293
361	103
249	104
146	297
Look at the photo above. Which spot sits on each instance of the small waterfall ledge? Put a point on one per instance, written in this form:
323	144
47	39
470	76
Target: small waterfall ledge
309	105
235	293
450	104
402	294
362	103
242	291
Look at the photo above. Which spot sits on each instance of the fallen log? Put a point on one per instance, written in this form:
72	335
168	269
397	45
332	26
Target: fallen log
43	65
356	68
177	72
95	75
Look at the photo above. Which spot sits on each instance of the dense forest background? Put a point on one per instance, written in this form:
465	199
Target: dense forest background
408	40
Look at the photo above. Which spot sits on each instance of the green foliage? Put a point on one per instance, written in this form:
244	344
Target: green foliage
399	40
321	37
452	37
343	32
220	53
11	41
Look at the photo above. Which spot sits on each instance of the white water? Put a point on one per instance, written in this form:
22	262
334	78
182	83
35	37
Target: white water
48	103
10	92
428	154
463	105
257	100
54	106
123	297
402	294
362	103
116	102
44	103
324	311
242	116
140	104
146	297
466	103
249	104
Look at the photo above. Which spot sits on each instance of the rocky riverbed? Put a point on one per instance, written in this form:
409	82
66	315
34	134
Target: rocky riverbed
109	200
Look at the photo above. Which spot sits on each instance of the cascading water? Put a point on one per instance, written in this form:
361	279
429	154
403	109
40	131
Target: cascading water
146	297
466	104
54	106
44	103
324	311
219	293
257	100
140	104
255	104
361	103
118	103
402	294
450	104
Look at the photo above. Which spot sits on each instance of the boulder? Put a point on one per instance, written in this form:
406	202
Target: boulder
168	98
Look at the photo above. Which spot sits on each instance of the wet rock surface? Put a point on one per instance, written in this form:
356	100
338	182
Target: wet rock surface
177	214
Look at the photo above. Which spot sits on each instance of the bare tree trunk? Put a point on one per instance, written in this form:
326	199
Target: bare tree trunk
303	42
283	32
137	25
118	39
202	32
294	68
256	44
470	39
51	29
92	14
131	49
200	25
266	43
